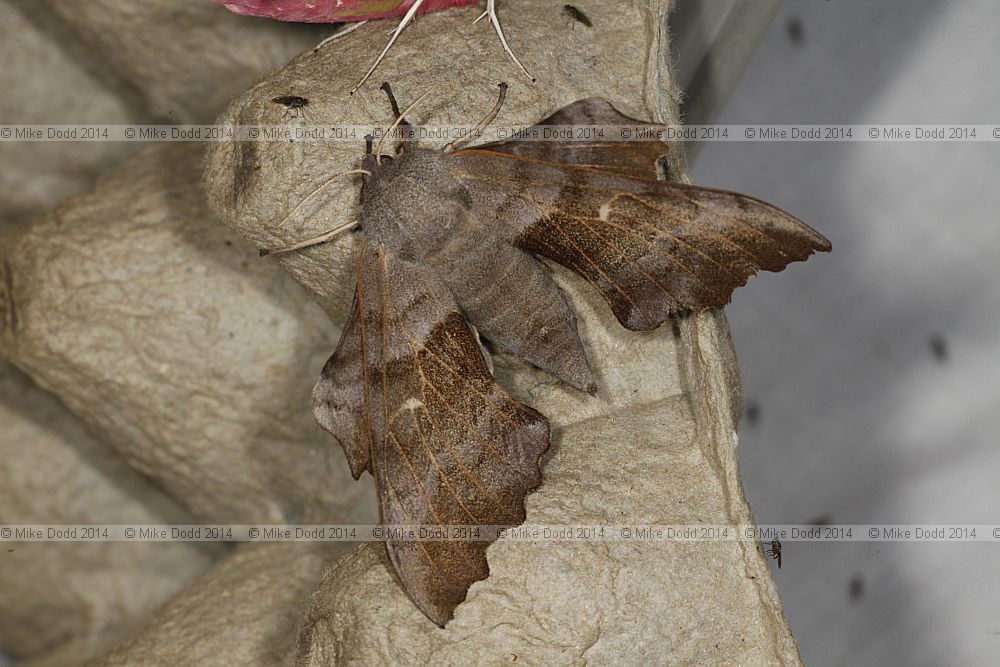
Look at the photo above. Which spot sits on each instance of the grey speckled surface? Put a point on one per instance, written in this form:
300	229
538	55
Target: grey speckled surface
858	419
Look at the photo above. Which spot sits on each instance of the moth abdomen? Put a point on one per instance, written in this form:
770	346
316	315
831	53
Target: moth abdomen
510	298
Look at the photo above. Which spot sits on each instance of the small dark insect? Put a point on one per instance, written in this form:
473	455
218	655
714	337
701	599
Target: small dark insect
291	101
939	347
574	13
796	31
856	587
775	551
752	412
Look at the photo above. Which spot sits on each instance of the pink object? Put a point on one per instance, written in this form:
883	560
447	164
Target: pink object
333	11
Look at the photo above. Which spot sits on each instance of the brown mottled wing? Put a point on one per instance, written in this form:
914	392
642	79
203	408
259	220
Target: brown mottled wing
339	396
652	248
634	158
447	445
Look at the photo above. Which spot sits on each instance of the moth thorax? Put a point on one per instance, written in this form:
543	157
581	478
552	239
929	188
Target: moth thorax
413	203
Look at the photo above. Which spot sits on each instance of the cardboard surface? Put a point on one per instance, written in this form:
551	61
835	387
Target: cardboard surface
185	58
46	81
241	612
55	472
177	344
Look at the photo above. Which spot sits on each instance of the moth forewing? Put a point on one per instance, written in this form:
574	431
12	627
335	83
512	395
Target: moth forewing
447	445
339	397
653	249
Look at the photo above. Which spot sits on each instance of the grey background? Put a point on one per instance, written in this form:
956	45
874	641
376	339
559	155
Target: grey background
858	419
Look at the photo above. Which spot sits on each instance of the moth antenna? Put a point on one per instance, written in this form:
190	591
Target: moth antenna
392	40
399	119
339	34
491	11
487	119
317	190
316	240
387	89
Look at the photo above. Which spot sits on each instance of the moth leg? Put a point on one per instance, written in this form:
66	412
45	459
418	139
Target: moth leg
491	11
319	189
316	240
392	40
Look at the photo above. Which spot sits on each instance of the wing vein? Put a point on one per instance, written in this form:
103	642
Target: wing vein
465	471
635	263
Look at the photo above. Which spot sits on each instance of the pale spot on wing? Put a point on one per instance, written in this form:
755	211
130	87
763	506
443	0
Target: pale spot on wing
604	212
412	403
409	406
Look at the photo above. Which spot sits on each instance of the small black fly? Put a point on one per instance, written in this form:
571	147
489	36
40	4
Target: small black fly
291	101
577	15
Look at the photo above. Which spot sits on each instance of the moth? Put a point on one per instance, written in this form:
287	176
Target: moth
452	252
